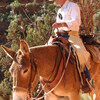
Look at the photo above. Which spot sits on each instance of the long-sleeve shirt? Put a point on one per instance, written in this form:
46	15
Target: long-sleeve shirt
70	14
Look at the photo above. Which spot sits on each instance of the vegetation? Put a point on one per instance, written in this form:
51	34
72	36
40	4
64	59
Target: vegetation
34	28
31	22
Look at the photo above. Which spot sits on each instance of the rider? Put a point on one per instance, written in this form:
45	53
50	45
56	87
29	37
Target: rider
67	23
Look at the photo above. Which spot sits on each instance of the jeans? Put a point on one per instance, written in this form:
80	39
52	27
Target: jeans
65	35
87	73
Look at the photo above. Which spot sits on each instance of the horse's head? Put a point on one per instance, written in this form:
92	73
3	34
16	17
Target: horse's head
22	70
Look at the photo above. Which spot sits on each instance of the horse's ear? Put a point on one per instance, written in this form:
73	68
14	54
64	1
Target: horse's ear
8	51
24	47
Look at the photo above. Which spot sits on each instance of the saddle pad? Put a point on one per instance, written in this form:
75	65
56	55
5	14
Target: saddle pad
95	52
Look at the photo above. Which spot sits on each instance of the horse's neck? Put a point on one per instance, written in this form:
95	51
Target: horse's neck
45	57
94	65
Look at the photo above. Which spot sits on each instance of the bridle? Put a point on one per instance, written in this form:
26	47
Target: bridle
28	90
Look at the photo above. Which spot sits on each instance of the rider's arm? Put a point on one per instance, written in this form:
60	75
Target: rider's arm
58	25
75	18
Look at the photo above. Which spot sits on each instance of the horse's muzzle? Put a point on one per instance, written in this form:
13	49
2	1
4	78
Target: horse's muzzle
20	96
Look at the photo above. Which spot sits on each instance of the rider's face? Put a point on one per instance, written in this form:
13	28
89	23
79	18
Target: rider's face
60	2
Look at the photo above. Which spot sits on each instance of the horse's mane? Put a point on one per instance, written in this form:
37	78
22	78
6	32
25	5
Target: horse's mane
92	46
90	40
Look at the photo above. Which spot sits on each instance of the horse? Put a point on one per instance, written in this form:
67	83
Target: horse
95	73
95	69
45	63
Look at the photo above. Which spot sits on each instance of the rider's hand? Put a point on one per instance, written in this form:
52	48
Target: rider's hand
58	25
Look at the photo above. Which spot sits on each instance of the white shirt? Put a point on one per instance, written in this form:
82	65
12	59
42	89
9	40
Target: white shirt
70	14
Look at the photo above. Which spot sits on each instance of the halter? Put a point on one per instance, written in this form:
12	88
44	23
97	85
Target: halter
28	90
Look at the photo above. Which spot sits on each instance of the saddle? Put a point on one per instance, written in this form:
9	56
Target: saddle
60	39
75	57
89	40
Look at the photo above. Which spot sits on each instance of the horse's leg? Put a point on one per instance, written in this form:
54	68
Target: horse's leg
97	96
50	97
75	96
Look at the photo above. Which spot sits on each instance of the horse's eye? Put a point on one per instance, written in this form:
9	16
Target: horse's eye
25	71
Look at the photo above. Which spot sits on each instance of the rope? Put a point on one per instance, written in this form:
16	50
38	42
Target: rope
49	77
59	80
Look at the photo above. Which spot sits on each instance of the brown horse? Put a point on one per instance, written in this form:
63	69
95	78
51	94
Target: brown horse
45	61
95	71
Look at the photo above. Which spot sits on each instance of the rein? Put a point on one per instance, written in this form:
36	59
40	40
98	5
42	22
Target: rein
31	81
60	77
28	90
